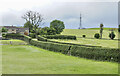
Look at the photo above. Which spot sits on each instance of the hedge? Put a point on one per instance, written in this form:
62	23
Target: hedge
51	46
60	37
40	38
27	38
96	53
14	36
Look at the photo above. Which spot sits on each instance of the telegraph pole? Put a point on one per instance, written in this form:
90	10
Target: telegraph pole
80	26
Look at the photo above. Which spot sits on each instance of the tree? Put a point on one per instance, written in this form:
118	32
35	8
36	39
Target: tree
101	30
28	25
4	29
34	18
47	31
57	25
112	35
119	29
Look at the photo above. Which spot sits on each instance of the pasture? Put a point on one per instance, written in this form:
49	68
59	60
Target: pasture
89	39
27	59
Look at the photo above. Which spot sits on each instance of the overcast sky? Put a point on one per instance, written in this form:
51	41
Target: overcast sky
93	12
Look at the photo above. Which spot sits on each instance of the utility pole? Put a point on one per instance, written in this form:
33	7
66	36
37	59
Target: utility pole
80	22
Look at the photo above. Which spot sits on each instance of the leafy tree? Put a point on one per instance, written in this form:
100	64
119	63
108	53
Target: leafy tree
119	29
28	25
57	25
4	29
47	31
101	30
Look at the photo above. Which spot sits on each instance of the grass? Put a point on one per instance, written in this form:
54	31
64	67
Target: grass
88	32
90	40
26	59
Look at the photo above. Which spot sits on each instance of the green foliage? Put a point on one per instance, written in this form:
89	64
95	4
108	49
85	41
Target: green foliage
119	29
84	36
101	30
57	25
33	35
112	35
28	25
97	35
40	38
60	37
3	35
51	46
47	31
14	36
4	29
103	54
27	38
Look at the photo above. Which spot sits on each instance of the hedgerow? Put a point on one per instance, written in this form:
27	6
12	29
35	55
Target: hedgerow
96	53
40	38
14	36
60	37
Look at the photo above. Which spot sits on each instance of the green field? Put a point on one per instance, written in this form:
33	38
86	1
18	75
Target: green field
90	40
88	32
27	59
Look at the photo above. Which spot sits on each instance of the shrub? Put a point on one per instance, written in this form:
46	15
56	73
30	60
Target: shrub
112	35
27	38
40	38
84	36
3	35
97	35
96	53
14	36
60	37
33	35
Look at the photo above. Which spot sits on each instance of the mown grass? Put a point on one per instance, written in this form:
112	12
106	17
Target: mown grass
26	59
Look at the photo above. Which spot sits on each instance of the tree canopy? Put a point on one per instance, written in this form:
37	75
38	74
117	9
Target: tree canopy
57	25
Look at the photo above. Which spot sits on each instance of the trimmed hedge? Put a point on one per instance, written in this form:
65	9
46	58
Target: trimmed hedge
14	36
40	38
27	38
60	37
33	35
103	54
96	53
56	47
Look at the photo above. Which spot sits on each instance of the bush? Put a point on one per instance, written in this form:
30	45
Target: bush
84	36
112	35
3	35
97	35
33	35
60	37
40	38
103	54
27	38
14	36
56	47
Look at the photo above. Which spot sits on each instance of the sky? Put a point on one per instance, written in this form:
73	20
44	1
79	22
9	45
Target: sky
93	12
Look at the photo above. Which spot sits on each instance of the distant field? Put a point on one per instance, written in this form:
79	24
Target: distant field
26	59
90	40
88	32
